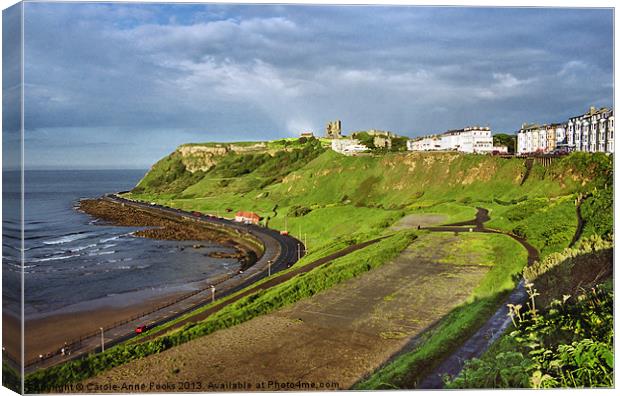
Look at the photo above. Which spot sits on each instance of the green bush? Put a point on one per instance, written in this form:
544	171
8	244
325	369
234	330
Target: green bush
11	378
298	211
597	213
567	343
526	209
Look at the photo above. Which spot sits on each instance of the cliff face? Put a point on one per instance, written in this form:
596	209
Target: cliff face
202	157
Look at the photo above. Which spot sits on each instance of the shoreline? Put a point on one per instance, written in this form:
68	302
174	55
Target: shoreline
45	334
166	228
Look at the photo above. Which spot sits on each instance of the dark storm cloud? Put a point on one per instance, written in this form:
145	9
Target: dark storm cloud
157	74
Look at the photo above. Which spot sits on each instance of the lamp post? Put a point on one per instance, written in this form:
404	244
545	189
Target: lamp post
212	293
102	342
269	266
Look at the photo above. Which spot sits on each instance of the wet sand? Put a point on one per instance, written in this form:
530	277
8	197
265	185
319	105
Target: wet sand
49	333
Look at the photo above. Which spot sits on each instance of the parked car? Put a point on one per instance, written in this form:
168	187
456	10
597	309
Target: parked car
283	232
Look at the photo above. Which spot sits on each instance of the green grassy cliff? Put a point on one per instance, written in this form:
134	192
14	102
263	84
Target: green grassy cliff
301	185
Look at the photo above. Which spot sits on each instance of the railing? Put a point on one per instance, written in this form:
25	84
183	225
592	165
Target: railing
77	342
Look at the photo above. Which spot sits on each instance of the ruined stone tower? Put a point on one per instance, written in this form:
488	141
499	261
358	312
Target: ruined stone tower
333	130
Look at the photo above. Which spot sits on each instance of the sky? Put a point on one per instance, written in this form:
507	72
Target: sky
122	85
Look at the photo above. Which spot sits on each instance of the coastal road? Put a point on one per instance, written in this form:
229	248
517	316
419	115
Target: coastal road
280	252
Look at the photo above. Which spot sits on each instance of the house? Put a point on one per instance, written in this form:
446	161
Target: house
306	134
468	140
426	143
500	149
348	146
247	217
592	131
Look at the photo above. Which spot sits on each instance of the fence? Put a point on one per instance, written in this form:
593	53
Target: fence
76	342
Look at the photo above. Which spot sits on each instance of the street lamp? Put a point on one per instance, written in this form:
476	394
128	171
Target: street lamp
212	293
269	266
102	342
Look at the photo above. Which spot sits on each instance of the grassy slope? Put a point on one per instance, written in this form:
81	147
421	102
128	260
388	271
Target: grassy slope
344	195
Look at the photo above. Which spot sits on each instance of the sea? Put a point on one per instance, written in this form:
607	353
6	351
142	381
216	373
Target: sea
75	262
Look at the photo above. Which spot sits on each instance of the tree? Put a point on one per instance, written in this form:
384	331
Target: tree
365	139
504	139
399	144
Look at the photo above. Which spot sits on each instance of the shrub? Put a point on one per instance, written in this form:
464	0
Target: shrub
298	211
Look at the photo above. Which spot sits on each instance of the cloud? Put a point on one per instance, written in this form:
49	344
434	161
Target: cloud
260	72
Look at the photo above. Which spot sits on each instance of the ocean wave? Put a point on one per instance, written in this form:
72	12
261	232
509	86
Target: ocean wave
98	253
114	238
53	258
80	248
66	239
128	267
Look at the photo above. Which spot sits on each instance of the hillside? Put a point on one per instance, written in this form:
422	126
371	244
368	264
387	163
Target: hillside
334	203
294	184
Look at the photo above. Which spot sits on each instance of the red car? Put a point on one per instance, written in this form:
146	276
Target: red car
140	329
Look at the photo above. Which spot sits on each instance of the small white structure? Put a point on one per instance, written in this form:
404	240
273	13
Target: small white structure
348	146
426	143
468	140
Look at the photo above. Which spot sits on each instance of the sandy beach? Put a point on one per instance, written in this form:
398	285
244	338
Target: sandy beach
44	334
49	333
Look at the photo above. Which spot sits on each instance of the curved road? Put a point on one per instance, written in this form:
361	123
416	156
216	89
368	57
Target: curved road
281	251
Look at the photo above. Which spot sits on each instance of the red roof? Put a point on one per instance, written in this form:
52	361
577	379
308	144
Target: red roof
248	215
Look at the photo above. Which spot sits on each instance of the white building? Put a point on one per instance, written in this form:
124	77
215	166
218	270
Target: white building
426	143
348	146
592	132
467	140
529	139
500	149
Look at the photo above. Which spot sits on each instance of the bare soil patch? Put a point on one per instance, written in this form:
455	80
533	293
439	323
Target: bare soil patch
336	337
422	220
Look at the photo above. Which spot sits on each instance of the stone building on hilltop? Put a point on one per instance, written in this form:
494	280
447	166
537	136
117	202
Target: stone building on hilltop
333	130
348	146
